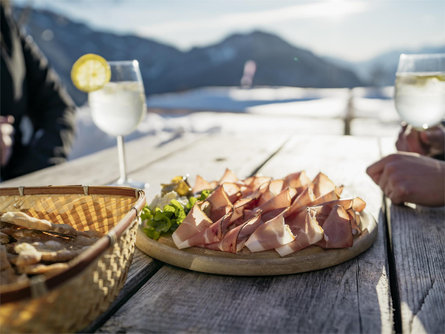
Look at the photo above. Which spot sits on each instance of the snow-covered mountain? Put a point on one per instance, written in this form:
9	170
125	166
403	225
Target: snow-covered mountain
167	69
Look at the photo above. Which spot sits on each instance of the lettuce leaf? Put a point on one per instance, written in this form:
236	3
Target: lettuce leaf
158	221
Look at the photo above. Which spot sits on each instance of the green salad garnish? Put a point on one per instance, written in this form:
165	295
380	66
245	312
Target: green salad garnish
157	221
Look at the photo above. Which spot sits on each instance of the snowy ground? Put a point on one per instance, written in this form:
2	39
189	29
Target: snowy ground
286	110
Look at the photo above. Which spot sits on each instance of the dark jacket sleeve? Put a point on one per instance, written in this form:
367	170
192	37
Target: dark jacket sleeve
51	112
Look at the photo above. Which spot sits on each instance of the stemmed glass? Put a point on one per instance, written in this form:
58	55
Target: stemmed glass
420	89
118	108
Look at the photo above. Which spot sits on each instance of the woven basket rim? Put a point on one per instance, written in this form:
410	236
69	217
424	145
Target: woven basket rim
34	287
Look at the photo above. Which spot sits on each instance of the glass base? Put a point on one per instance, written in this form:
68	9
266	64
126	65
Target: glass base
131	183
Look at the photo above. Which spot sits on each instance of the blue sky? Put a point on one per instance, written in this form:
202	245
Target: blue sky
350	29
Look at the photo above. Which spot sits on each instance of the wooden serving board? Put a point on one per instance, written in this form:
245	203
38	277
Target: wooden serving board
263	263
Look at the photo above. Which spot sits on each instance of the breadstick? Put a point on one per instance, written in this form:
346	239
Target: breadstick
42	268
23	220
62	255
28	254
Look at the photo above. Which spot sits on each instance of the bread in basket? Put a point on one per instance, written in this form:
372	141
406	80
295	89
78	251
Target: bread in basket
70	300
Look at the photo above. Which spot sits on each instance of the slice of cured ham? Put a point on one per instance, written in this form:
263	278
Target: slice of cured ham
195	222
273	189
355	222
201	184
306	230
236	214
233	191
327	197
228	176
302	201
337	229
234	239
211	234
254	183
272	234
219	204
322	184
280	201
351	205
298	180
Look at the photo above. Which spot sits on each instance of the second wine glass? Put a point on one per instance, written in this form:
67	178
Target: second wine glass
118	108
420	89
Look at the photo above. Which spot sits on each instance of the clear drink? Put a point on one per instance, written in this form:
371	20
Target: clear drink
118	107
420	98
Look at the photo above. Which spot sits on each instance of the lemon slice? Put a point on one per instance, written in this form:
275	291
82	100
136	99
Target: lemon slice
90	72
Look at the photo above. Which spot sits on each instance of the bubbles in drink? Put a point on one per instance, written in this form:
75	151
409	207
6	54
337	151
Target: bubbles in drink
420	98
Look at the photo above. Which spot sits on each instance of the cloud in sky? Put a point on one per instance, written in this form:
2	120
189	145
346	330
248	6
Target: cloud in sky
327	9
351	29
334	9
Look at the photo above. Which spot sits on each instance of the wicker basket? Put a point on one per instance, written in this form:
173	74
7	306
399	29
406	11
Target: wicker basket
72	299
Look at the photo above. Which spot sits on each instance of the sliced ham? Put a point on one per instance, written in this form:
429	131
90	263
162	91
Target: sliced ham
212	234
322	184
327	197
265	197
282	200
271	234
355	222
228	176
337	229
235	215
234	239
306	230
255	182
240	207
275	186
298	180
233	191
302	201
201	184
355	204
262	213
352	204
218	198
218	204
269	194
195	222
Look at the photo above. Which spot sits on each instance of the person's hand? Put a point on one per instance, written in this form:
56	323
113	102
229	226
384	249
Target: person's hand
429	142
410	177
6	138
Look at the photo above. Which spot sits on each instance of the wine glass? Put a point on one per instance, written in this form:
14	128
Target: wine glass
420	89
118	108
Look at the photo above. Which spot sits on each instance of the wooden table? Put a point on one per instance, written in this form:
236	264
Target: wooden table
398	284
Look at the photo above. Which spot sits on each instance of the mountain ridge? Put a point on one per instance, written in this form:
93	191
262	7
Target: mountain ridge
166	68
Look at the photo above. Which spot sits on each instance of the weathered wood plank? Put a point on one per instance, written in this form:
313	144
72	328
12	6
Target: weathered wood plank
351	297
418	243
209	157
102	167
176	300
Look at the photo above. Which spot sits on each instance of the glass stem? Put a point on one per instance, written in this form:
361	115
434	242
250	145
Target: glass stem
121	154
